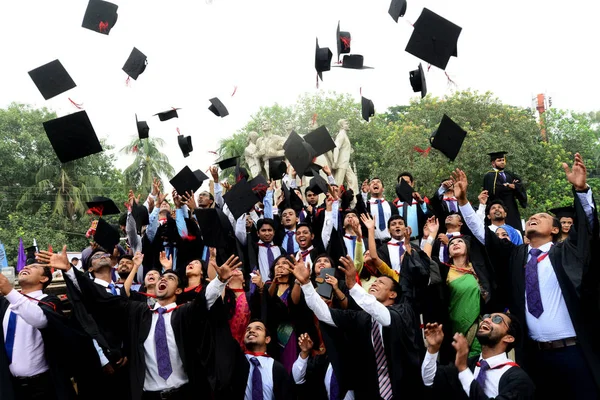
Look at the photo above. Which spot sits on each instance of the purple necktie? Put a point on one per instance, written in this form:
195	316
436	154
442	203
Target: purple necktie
381	217
483	367
400	252
503	176
452	206
334	387
270	257
257	384
532	285
290	242
162	348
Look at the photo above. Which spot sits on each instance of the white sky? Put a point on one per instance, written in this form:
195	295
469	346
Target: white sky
197	50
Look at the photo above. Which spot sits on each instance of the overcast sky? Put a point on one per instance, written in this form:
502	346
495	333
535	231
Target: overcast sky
200	49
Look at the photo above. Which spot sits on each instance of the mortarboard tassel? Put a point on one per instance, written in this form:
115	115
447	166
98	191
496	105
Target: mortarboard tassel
127	81
314	119
213	152
134	149
234	90
178	131
103	26
450	81
96	210
420	150
346	42
78	106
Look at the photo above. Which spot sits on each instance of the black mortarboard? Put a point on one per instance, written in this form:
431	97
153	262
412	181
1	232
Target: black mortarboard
187	181
140	215
52	79
167	115
434	39
290	199
30	255
354	61
218	108
259	186
448	138
72	136
368	108
323	58
102	206
277	168
214	225
343	41
240	199
106	235
142	128
320	140
404	191
312	170
497	154
100	16
324	289
228	162
397	9
135	64
299	153
185	144
417	81
563	212
317	184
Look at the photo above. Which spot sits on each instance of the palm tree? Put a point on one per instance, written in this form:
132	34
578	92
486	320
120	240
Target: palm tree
149	162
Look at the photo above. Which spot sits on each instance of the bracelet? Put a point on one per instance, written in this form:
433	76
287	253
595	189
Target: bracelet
429	241
345	297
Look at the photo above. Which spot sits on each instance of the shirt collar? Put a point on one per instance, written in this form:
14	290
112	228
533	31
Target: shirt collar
373	201
496	360
544	248
169	306
392	240
38	294
103	283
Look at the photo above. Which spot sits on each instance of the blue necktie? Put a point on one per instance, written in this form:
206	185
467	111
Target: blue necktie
334	387
290	242
113	289
11	329
503	177
381	218
483	367
257	384
353	238
270	257
400	252
162	348
452	206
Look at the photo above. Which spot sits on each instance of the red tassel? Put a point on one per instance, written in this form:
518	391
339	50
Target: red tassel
127	81
96	210
49	248
135	149
420	150
314	119
410	23
449	79
213	152
428	67
234	90
103	26
78	106
178	131
346	42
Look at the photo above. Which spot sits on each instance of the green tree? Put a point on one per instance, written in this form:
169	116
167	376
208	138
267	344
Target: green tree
149	162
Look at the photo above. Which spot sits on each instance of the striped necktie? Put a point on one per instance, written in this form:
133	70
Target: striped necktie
385	384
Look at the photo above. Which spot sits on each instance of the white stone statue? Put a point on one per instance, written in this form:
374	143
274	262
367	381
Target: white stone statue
252	155
289	126
269	146
340	163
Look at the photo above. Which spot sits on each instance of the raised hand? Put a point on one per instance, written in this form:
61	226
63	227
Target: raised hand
460	186
300	271
226	270
443	238
349	270
306	344
447	184
329	202
577	174
166	262
332	280
214	172
357	228
327	170
483	197
150	204
257	279
433	226
462	351
368	221
176	199
434	335
189	199
160	198
138	258
5	286
155	186
54	260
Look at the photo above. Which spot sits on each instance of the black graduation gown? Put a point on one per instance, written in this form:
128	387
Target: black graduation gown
401	342
313	387
58	350
283	388
572	265
441	211
492	182
514	384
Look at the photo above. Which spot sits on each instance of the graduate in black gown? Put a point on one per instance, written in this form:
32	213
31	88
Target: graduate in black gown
506	186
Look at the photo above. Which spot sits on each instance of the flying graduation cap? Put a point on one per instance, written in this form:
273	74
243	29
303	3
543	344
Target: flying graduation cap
142	128
228	162
218	108
106	235
298	152
320	140
100	16
397	9
448	138
135	64
187	181
277	168
185	144
434	39
404	191
52	79
72	136
353	61
343	41
167	115
100	206
368	108
323	58
417	81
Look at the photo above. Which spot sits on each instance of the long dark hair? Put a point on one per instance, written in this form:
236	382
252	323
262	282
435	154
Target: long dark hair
272	267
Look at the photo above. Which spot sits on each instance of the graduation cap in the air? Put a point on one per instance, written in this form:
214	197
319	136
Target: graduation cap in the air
397	9
100	16
240	199
100	206
140	215
417	81
404	191
290	199
353	61
367	108
317	184
135	64
167	115
142	128
563	212
228	162
434	39
214	221
72	136
343	41
185	144
298	152
106	235
323	58
187	181
277	168
259	186
218	108
312	170
448	138
497	154
320	140
52	79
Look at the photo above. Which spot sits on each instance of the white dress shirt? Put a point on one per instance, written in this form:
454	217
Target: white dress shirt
299	375
307	260
374	209
28	351
443	246
266	372
394	249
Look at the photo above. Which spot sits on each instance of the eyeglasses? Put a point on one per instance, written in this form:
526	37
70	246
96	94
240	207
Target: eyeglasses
99	255
497	319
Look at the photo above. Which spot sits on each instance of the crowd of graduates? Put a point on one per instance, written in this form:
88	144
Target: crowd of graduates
301	289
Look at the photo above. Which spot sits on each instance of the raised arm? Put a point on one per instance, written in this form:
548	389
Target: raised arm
328	223
137	261
370	225
21	305
432	226
216	286
474	223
